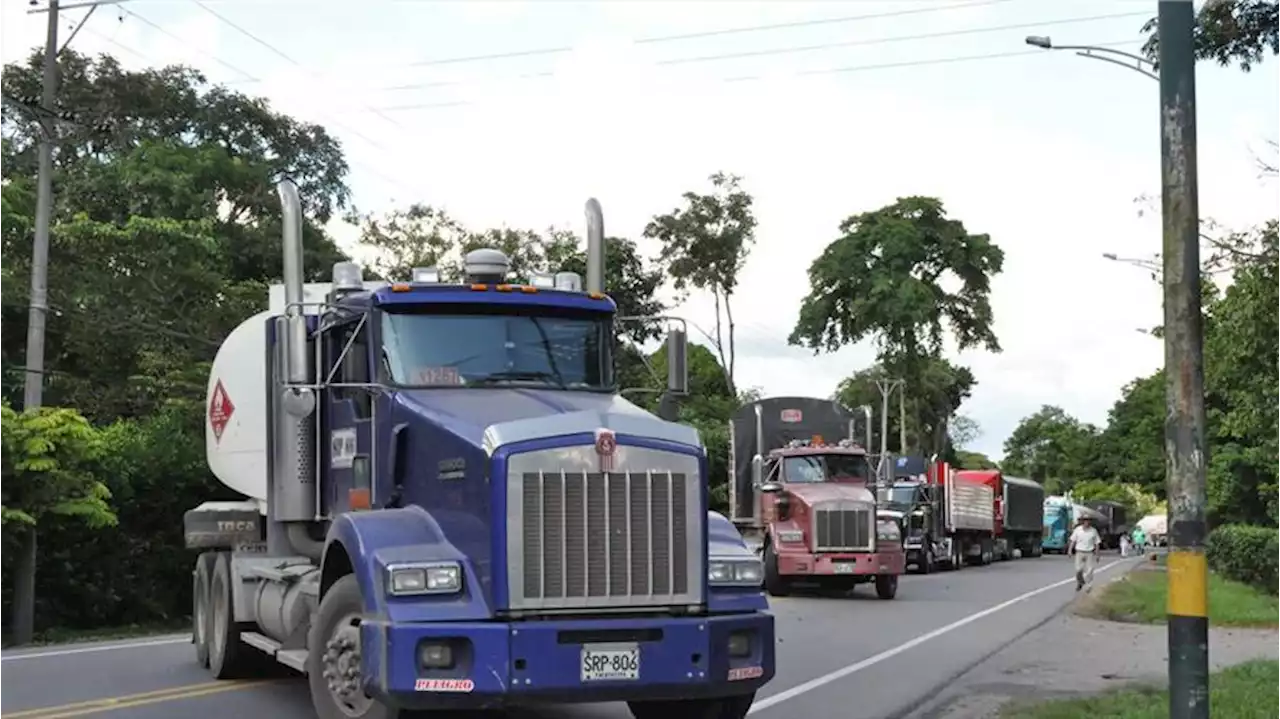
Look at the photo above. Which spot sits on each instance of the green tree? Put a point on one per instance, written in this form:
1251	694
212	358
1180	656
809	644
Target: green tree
705	245
902	275
884	277
1133	441
1242	375
966	459
938	390
48	462
1227	32
1052	445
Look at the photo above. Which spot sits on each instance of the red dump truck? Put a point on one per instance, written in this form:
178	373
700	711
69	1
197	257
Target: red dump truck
949	517
805	492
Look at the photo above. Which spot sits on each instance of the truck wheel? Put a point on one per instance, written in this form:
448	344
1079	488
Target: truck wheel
333	657
774	583
200	607
229	657
957	556
926	564
886	586
735	707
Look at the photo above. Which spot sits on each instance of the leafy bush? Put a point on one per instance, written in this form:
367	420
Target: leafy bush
1246	554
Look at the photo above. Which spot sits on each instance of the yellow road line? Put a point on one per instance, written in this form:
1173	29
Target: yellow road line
94	706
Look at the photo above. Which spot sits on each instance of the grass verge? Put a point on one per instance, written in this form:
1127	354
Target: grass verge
1245	691
1142	596
57	635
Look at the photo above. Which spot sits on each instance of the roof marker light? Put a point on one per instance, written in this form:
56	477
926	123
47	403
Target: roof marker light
569	281
426	275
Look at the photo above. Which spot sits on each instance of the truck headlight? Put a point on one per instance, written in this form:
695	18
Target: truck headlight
888	532
430	578
790	536
746	572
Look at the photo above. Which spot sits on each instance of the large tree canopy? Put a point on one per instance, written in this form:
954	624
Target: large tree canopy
885	277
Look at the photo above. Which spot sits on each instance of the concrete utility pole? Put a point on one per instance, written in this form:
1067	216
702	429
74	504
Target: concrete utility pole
902	421
1186	455
33	385
886	387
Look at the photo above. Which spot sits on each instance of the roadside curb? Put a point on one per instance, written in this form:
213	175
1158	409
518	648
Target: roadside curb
939	699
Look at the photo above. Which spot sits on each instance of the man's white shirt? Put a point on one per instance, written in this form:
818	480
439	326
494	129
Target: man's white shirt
1085	539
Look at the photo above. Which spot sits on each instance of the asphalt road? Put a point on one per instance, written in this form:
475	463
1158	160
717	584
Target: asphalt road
854	657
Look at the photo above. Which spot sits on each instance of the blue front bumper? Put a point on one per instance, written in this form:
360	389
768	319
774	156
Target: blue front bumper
502	664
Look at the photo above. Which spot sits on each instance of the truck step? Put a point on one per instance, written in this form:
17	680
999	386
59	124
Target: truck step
260	641
285	569
292	658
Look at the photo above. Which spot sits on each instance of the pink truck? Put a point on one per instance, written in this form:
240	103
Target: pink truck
805	492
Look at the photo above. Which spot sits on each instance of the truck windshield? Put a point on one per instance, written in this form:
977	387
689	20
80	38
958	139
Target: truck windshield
902	497
812	468
497	347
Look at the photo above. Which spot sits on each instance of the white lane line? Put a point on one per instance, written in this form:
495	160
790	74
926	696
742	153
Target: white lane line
183	639
818	682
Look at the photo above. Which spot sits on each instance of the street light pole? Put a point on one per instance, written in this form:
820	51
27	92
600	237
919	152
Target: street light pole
1153	265
1137	63
1186	451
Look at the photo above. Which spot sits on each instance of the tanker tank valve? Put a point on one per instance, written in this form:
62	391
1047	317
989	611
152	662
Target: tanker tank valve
429	578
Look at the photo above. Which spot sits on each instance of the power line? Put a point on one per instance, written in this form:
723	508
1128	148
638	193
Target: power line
342	126
563	49
788	49
896	38
280	53
812	23
825	71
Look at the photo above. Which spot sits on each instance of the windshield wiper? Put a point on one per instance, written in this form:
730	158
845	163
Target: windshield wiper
516	376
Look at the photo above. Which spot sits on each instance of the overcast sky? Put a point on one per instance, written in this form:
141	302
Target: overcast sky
1043	150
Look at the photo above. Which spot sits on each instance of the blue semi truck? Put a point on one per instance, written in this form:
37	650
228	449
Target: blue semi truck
449	505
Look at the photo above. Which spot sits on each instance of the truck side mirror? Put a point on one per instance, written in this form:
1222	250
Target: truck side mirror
677	362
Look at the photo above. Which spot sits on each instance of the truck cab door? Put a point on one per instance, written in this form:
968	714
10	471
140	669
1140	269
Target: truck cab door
346	440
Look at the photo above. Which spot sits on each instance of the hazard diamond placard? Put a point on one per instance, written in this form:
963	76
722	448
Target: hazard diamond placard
220	410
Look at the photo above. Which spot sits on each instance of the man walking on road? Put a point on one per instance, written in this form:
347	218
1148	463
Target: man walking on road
1084	544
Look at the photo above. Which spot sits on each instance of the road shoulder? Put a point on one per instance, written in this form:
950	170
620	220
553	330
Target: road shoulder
1072	656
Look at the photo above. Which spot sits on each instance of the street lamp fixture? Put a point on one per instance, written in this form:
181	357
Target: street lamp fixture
1152	265
1137	63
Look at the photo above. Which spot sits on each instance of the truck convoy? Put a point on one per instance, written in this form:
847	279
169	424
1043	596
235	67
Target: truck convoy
1061	513
953	517
449	505
1115	522
804	490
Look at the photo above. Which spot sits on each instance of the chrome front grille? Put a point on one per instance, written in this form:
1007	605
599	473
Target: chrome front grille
843	528
592	539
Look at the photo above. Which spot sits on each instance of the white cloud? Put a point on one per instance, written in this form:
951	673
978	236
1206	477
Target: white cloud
1046	154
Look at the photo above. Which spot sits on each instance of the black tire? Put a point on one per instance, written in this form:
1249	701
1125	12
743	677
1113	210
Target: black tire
774	583
886	586
735	707
200	623
229	657
957	556
339	607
